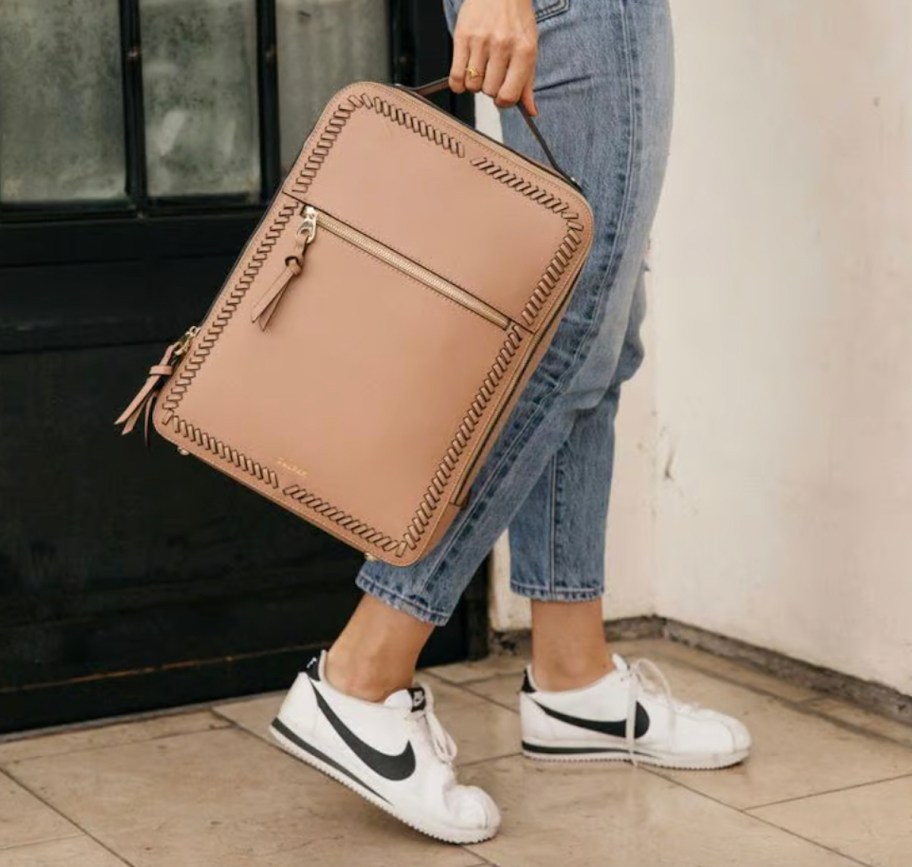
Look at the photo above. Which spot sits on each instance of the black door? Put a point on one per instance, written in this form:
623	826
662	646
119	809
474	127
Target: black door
139	143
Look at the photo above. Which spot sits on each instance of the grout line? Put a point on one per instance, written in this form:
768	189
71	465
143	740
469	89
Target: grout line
484	861
811	795
263	738
4	763
107	721
473	680
77	835
489	759
493	701
812	842
658	773
6	772
227	719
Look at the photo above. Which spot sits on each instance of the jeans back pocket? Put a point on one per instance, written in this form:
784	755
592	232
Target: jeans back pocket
549	8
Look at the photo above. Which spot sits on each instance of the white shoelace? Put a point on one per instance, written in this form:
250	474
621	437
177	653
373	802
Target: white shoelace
444	746
638	674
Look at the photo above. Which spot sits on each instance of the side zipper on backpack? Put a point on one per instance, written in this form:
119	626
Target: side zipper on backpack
144	400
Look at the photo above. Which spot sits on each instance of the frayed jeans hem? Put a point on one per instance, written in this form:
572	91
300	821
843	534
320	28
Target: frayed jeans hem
399	602
546	594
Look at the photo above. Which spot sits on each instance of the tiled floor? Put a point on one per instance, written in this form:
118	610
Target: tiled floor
827	785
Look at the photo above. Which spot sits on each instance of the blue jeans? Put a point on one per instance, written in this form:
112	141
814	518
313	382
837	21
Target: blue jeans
604	88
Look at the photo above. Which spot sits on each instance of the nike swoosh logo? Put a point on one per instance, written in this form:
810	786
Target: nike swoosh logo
392	767
618	728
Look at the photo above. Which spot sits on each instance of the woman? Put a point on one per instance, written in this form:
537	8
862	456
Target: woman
603	92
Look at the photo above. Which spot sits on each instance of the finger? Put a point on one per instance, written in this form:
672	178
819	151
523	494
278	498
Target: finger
478	61
519	78
496	71
458	66
528	99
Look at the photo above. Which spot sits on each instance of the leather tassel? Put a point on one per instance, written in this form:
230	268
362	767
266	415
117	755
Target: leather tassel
142	403
269	301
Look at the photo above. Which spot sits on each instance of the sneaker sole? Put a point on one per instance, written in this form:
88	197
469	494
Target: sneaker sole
543	753
296	746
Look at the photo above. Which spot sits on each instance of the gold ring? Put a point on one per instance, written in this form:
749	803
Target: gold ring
471	72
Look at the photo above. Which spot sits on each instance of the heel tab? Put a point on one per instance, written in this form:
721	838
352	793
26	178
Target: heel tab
312	668
527	685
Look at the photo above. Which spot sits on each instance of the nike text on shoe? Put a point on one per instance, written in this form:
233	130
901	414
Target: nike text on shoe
626	716
394	753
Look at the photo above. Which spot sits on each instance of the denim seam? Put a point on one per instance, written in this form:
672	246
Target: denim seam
556	540
552	578
538	410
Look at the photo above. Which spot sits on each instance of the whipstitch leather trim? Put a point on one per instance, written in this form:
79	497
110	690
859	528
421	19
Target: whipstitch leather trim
343	519
431	499
204	342
340	116
464	433
226	452
202	346
572	239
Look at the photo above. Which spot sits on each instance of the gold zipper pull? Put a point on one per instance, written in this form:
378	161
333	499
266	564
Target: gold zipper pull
183	344
269	301
308	226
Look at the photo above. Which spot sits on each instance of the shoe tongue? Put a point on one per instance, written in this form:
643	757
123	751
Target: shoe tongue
412	697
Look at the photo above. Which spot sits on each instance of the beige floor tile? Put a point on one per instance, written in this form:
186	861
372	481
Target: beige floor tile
491	666
871	823
854	715
503	690
588	815
662	649
73	852
223	798
253	714
794	753
24	819
108	735
481	730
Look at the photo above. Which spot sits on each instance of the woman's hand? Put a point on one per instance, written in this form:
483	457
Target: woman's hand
499	40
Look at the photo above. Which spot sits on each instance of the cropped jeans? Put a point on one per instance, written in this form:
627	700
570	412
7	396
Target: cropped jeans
604	88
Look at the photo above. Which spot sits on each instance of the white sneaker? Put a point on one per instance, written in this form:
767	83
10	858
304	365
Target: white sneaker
624	716
394	753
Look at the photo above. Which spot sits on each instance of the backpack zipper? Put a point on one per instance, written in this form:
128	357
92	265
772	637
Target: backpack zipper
407	266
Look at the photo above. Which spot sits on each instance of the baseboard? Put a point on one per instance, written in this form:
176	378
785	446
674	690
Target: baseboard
870	695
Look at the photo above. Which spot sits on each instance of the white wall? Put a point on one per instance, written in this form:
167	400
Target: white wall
783	276
772	435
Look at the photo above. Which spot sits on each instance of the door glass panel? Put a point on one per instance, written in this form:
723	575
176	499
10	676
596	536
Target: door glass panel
61	101
200	94
323	45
